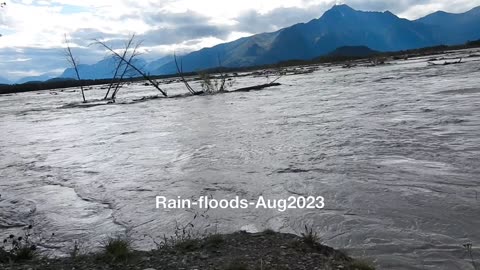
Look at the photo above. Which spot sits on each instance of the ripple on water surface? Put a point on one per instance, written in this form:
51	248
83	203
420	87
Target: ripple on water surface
393	149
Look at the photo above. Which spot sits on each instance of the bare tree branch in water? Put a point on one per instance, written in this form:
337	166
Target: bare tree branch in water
223	76
126	70
215	85
126	61
74	63
180	73
119	65
280	73
446	63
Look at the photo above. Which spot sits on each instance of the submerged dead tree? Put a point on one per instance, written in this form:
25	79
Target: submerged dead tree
182	77
126	69
74	63
279	72
209	85
215	85
118	67
123	69
446	63
221	83
223	77
128	63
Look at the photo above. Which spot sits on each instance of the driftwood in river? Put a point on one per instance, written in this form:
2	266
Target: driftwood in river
244	89
446	63
254	88
101	102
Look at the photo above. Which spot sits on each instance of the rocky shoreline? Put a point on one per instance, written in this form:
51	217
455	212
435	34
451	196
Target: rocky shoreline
236	251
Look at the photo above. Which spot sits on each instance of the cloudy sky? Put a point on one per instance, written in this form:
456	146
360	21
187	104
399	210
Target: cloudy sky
33	30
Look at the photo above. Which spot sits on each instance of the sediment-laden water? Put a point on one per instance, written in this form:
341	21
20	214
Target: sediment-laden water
394	149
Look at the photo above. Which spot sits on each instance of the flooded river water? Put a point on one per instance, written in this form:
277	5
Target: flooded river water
394	149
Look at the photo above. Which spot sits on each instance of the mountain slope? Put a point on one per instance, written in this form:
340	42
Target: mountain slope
4	81
382	31
240	53
39	78
454	28
353	51
102	70
340	26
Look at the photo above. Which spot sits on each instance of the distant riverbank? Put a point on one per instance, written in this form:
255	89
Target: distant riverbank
344	56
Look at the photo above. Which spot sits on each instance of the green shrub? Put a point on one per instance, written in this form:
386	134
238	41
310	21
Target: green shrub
19	248
236	265
361	265
187	245
5	256
25	253
269	232
117	248
310	237
214	241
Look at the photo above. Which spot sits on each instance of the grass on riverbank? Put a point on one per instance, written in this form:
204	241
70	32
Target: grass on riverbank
240	251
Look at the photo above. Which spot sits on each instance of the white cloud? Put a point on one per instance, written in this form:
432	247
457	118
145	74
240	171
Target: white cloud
30	25
19	60
422	9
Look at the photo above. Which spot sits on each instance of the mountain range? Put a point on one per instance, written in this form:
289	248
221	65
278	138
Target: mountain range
103	69
4	80
338	27
454	28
